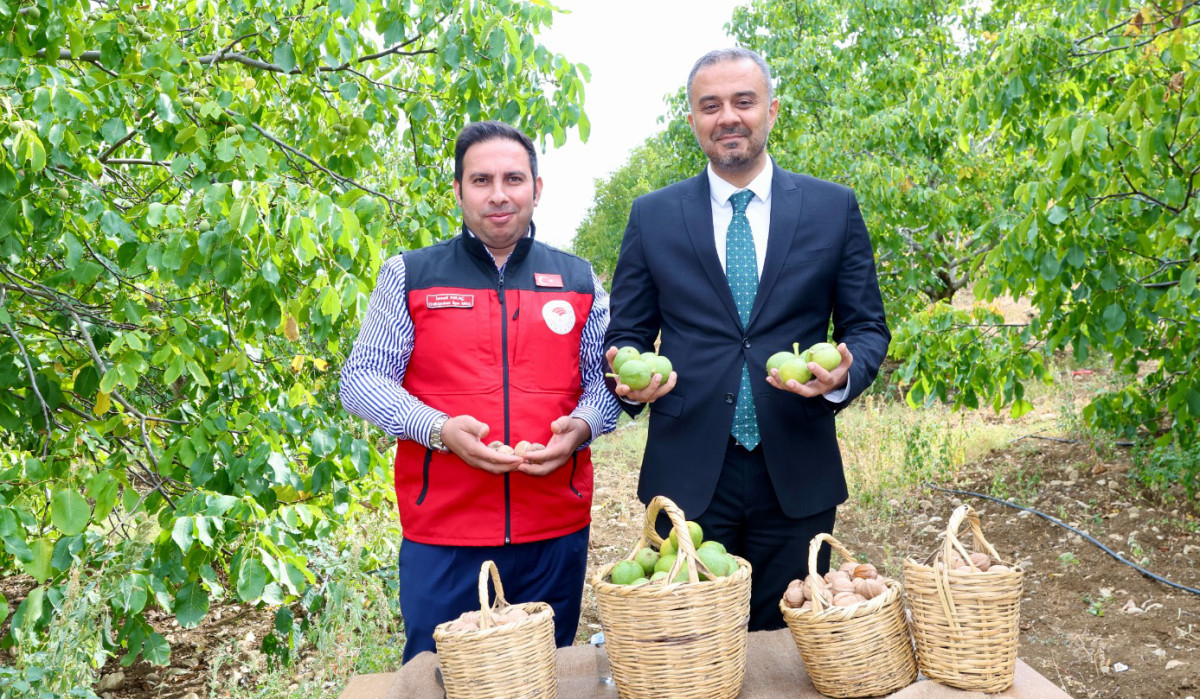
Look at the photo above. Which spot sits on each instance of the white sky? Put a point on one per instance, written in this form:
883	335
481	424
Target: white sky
639	51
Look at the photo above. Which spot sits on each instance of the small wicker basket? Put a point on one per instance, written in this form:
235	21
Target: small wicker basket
964	621
509	661
858	651
682	640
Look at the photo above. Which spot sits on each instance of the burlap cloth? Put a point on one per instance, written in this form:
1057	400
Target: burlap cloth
773	669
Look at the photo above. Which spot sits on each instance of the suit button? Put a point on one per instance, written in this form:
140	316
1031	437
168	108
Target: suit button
729	398
746	343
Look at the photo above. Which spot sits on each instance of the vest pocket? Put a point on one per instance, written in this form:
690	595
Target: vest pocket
425	476
574	467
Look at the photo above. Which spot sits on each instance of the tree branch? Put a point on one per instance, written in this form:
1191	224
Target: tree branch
32	381
225	56
346	181
136	161
132	132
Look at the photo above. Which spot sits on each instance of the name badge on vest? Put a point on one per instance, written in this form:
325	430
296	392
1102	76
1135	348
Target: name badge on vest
450	301
548	280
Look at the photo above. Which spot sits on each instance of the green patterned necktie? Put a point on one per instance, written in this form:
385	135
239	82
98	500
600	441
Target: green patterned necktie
741	268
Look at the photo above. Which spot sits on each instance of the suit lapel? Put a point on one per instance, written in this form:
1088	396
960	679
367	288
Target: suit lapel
786	198
697	218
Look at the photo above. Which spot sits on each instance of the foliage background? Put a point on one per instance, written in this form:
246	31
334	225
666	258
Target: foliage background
195	198
1016	149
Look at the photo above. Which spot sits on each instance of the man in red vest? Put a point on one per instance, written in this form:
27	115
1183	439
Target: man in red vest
489	336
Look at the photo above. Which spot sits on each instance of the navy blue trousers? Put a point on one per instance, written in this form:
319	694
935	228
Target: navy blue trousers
746	517
438	583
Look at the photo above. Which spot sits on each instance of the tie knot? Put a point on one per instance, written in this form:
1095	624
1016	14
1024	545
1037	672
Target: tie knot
740	200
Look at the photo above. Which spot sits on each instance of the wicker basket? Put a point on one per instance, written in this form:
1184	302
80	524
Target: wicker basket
509	661
857	651
964	621
678	640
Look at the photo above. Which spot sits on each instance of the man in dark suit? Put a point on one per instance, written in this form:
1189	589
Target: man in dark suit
731	266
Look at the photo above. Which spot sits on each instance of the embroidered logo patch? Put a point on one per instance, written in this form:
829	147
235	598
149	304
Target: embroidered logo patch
550	280
450	301
559	316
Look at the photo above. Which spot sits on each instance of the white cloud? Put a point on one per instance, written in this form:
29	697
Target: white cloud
639	51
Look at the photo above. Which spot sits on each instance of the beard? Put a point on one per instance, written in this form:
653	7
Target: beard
736	160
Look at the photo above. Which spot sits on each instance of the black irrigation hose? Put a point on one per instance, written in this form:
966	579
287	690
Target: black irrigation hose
1037	435
1064	525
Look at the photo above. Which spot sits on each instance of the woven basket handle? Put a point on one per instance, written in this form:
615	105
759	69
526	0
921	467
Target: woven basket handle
941	575
485	609
683	537
952	542
814	547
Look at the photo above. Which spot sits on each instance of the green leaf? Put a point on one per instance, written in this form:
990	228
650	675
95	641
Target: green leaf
110	380
30	611
131	594
166	109
39	567
1187	281
29	150
154	213
69	512
284	57
87	381
191	605
13	534
226	150
270	273
252	578
1019	408
202	530
1146	150
3	609
181	533
156	650
104	490
1050	265
1057	215
76	42
198	373
1078	135
1114	318
322	443
113	130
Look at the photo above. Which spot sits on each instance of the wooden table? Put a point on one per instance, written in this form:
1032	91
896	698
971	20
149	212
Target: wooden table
773	671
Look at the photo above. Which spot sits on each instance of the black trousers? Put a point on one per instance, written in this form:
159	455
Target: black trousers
745	516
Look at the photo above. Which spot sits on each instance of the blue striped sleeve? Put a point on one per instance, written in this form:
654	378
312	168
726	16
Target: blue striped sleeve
597	406
372	376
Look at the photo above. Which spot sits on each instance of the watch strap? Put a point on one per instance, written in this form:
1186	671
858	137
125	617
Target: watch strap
435	433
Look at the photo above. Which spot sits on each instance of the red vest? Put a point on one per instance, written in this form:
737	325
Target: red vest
505	351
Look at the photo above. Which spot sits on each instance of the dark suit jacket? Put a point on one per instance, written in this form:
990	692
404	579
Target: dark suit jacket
819	266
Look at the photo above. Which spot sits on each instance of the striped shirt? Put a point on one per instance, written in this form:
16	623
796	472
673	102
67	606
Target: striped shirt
372	376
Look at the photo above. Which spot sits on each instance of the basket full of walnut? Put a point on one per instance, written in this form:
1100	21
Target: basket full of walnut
849	627
500	652
966	608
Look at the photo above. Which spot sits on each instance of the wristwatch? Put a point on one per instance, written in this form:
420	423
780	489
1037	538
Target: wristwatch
435	434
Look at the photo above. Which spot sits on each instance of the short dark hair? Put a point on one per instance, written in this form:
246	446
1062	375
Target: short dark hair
733	54
481	131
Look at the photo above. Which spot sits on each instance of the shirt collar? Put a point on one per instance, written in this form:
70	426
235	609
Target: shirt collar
722	190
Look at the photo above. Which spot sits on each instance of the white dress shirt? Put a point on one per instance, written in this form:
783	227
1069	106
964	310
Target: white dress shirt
758	211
